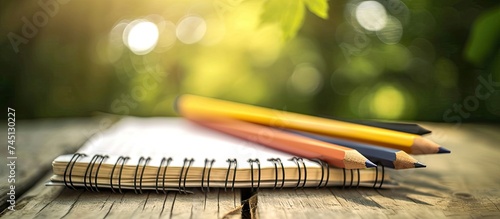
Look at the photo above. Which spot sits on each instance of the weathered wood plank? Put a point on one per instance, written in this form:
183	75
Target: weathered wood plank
37	143
59	202
215	204
464	183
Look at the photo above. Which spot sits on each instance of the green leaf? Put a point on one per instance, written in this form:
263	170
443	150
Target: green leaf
484	34
318	7
288	14
272	11
292	19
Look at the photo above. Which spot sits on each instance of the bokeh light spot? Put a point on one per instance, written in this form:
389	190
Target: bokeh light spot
306	79
371	15
111	50
392	32
387	103
191	29
141	36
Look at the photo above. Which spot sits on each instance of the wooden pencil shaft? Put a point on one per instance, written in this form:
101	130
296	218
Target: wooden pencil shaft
385	156
338	156
410	128
365	149
196	106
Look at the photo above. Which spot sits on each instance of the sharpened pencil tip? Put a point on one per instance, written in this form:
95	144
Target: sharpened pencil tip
443	151
370	164
423	131
419	165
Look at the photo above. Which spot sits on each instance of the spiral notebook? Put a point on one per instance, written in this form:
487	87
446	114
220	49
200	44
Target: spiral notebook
176	154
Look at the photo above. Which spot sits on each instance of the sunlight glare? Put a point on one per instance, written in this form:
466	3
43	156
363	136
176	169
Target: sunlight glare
371	15
141	36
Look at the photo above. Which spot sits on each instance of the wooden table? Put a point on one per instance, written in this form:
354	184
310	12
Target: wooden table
463	184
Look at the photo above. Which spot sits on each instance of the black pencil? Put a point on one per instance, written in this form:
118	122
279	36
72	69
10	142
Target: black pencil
387	157
411	128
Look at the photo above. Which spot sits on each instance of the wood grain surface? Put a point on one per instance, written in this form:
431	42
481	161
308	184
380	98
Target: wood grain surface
60	202
38	142
463	184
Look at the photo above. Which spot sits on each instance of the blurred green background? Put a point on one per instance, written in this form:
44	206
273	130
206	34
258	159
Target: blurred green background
387	59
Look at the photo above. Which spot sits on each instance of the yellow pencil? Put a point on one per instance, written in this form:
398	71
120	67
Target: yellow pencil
197	106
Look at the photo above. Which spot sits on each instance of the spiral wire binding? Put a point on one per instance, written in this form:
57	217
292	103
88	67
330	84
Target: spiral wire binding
167	161
376	177
301	168
250	161
277	161
282	172
70	166
383	176
67	167
182	171
275	171
185	176
298	160
89	170
359	180
189	162
352	178
231	161
123	161
324	165
146	161
97	171
85	176
211	162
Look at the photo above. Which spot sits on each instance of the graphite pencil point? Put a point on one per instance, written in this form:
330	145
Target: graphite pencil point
419	165
370	164
443	151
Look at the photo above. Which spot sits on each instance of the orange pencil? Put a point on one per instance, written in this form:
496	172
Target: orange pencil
335	155
196	106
